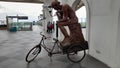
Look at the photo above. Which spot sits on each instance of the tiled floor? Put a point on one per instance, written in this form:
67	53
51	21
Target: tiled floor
14	47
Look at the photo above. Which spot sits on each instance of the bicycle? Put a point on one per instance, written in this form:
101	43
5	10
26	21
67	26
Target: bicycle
75	53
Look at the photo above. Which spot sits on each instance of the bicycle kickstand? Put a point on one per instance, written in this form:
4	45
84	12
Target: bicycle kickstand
50	55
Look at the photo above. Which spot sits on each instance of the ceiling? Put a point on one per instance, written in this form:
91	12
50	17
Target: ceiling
24	1
79	3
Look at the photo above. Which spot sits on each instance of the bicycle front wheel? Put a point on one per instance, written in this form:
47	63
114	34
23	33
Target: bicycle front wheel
33	53
75	55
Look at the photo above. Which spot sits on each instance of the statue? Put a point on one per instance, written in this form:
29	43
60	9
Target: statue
67	17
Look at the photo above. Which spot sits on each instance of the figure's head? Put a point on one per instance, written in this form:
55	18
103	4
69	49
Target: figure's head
55	4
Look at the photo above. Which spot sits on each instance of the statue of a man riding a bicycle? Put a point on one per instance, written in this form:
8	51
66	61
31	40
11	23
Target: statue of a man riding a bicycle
66	17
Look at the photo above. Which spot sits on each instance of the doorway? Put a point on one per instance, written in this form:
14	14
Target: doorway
82	8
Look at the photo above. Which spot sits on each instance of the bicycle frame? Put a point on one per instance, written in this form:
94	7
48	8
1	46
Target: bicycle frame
49	50
71	51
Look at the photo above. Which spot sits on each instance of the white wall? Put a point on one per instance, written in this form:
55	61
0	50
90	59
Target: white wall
118	43
117	8
104	32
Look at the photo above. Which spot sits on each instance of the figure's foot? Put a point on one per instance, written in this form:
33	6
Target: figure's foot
65	42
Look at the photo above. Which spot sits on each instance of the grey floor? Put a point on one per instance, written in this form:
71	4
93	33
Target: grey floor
15	46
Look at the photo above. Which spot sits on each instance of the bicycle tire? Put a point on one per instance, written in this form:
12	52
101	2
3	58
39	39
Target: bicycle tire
34	51
75	55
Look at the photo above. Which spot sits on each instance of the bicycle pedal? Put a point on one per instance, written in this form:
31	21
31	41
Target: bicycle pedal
50	54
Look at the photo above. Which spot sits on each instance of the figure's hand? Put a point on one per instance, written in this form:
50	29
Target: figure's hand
59	12
57	21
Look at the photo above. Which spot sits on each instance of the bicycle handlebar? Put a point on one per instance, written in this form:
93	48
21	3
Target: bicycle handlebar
44	35
41	34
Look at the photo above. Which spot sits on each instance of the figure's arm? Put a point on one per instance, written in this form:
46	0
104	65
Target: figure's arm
59	14
65	13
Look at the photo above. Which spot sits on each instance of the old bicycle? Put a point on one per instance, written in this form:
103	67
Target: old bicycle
75	53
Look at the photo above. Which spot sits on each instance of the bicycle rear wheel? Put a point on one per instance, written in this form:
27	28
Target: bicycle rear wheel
33	53
75	55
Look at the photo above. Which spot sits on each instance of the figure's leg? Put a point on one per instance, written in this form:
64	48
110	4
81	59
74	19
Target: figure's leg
66	40
63	30
76	35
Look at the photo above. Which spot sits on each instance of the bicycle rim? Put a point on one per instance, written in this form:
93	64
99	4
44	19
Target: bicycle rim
33	53
76	56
